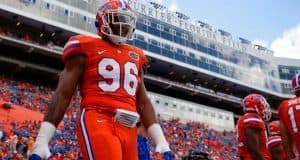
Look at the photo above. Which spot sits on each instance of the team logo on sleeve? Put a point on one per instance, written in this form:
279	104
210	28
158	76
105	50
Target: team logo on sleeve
134	55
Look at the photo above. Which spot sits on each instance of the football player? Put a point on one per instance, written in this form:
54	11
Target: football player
274	143
251	130
109	74
289	115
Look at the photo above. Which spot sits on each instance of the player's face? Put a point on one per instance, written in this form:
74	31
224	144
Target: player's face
121	24
121	30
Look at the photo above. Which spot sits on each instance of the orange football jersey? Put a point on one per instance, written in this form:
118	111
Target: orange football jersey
111	74
289	114
254	121
274	141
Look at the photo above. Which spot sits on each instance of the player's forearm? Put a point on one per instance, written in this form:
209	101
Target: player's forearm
287	146
57	108
53	117
276	157
144	105
276	152
289	152
256	154
148	114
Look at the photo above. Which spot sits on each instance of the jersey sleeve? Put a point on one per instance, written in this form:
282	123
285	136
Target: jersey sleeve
281	110
74	46
143	62
253	122
274	141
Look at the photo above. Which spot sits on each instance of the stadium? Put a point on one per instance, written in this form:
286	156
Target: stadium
196	78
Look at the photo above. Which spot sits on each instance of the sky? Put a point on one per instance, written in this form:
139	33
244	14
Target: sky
272	23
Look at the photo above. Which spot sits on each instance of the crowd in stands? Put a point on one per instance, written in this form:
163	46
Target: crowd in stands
193	137
42	39
25	94
184	138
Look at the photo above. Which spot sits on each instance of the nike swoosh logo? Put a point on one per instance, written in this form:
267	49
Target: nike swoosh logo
100	121
101	52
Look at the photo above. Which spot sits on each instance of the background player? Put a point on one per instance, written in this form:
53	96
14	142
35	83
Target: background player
110	76
252	135
274	143
289	114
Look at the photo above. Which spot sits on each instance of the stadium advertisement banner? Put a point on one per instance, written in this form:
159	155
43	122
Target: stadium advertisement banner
172	18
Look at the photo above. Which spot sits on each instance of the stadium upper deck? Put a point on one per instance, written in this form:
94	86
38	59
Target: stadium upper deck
211	63
171	36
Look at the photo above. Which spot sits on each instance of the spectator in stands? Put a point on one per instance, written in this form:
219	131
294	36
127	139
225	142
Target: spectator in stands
251	128
9	34
2	32
2	135
26	37
30	146
123	100
13	143
22	146
289	121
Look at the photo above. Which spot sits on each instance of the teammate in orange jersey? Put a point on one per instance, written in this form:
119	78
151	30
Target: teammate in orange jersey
251	130
275	142
289	115
110	77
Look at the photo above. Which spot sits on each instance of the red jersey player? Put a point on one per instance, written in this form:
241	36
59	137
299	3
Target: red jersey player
251	130
110	76
275	142
289	115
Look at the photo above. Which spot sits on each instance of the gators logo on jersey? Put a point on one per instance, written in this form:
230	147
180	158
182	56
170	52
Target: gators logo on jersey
134	55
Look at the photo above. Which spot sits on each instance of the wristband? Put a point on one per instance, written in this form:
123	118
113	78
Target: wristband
46	132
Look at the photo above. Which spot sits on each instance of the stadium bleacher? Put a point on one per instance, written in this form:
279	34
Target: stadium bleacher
186	139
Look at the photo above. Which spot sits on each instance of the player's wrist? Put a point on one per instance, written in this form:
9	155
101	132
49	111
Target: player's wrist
45	134
162	148
156	133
